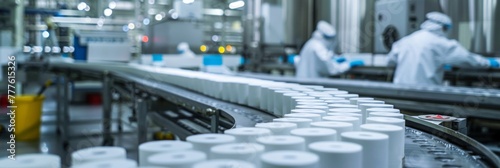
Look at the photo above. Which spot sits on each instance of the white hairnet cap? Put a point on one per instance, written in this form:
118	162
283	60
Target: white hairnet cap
326	29
436	20
183	46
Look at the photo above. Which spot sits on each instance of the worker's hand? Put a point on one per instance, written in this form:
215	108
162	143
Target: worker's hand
494	63
356	63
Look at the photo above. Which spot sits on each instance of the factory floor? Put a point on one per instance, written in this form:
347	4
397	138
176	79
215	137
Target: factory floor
84	132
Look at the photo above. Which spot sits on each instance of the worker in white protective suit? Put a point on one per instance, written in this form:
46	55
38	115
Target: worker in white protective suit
421	56
183	49
317	56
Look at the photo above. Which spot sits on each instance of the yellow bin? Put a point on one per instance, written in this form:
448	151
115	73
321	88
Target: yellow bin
28	117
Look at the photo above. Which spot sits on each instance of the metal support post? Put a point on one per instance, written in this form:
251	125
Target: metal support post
106	110
142	112
214	121
65	111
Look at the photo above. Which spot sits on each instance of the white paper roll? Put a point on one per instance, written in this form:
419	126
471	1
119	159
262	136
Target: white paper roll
387	110
324	108
340	127
331	98
282	142
334	106
312	103
337	101
313	117
239	151
280	101
337	154
375	147
396	140
268	98
315	134
358	115
224	163
313	100
386	114
370	102
32	161
118	163
386	120
97	153
355	121
346	96
289	159
203	142
319	96
344	110
337	92
288	102
177	159
248	134
354	101
326	89
363	108
278	128
314	111
150	148
301	122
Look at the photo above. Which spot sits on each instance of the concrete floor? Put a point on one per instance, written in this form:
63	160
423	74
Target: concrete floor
84	132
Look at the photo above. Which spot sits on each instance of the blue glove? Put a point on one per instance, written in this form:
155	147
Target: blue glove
339	59
356	63
493	63
447	67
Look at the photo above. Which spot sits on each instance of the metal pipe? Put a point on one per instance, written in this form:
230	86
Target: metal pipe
106	109
142	112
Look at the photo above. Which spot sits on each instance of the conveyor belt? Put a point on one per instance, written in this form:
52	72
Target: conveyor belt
465	102
424	147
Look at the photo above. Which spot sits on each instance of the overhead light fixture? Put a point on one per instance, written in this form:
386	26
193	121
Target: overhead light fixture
146	21
108	12
187	1
81	6
236	4
158	17
45	34
112	5
131	26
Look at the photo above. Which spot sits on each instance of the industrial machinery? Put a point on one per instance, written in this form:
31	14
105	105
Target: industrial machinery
173	99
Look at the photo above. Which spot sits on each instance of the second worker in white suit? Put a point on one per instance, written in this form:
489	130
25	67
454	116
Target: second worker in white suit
316	57
421	56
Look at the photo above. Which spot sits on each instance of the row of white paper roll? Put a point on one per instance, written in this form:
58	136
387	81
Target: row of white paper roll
278	98
283	144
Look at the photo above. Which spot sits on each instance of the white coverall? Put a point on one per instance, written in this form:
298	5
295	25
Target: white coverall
420	57
316	55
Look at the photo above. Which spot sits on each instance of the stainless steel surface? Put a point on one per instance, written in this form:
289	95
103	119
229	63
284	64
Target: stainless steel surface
464	148
426	150
354	22
475	24
252	30
298	22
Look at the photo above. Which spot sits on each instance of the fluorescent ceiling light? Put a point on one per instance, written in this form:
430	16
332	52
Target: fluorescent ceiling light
236	4
187	1
108	12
